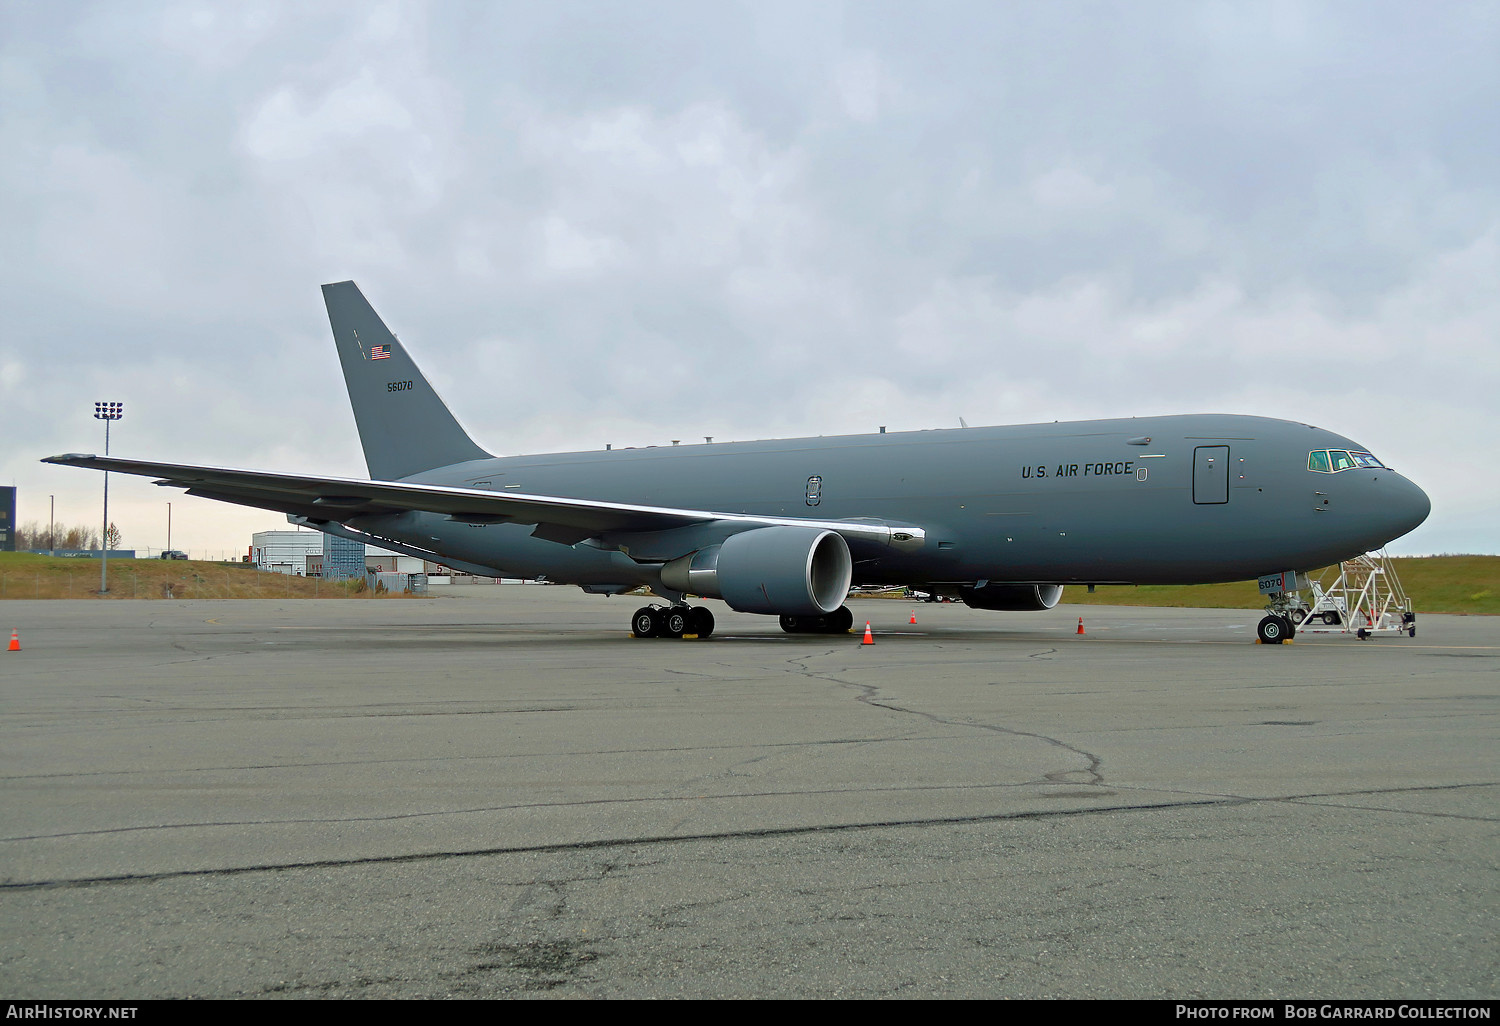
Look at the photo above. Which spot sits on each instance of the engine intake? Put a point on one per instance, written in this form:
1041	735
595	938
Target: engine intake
797	571
1014	597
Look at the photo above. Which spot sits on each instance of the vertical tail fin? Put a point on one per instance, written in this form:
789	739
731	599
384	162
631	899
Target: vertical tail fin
404	426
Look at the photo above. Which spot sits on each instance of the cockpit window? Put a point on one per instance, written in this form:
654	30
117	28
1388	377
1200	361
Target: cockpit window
1331	461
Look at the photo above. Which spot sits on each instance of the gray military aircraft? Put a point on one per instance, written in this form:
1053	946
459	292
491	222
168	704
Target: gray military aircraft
1001	517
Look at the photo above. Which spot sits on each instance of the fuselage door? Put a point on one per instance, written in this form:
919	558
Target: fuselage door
1211	474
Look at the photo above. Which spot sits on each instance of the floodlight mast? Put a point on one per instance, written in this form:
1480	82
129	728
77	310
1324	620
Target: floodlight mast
106	412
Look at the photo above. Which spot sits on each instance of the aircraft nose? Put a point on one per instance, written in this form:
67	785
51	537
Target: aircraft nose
1406	506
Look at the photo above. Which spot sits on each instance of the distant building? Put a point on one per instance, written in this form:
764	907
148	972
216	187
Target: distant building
7	519
286	552
342	558
384	561
315	554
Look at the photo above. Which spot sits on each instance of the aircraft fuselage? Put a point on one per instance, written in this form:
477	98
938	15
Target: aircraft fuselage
1158	500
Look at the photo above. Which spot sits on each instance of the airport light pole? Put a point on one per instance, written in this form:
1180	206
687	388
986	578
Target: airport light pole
51	525
106	412
169	527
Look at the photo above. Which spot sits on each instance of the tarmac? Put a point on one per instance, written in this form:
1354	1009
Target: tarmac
499	793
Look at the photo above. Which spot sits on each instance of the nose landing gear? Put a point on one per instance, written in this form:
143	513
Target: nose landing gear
1365	599
1274	630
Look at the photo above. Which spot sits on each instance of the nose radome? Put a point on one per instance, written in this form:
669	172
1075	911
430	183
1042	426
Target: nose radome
1407	505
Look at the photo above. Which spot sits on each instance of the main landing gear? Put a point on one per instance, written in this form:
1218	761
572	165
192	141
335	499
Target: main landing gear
671	622
676	621
837	622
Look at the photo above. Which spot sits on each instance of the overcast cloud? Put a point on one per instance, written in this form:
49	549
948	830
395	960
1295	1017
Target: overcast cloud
633	222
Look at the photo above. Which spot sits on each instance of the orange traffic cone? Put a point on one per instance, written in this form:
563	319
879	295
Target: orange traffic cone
15	641
869	638
1080	625
913	616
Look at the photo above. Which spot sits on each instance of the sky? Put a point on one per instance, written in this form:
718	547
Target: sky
624	223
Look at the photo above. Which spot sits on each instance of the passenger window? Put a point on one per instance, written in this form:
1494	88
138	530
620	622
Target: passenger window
1318	461
1341	460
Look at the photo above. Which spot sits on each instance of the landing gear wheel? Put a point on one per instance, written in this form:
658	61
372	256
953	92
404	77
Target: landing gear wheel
1272	630
674	622
700	621
646	623
1291	627
794	624
840	621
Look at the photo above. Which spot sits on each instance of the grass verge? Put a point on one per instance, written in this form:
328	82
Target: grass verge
25	576
1435	584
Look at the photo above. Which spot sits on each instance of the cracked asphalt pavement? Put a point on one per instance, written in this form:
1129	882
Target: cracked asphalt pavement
501	794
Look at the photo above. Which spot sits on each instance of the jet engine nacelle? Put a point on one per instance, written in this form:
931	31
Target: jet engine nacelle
1016	597
795	571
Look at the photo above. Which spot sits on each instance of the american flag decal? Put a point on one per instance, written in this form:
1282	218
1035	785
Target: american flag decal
379	353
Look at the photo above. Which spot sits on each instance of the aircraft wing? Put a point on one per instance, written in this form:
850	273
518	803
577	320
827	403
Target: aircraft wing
557	518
